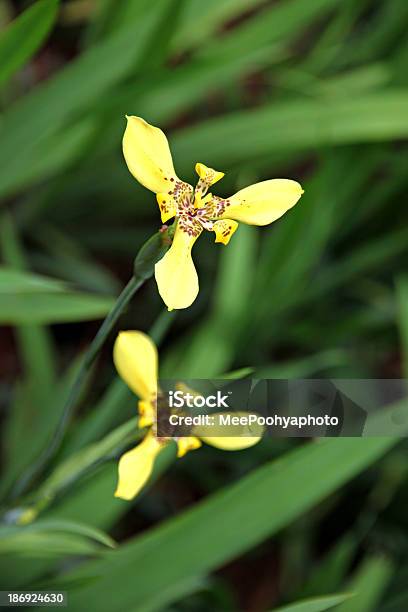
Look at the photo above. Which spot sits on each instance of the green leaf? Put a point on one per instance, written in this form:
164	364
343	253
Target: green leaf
295	125
200	20
33	406
52	104
75	465
65	258
45	308
35	343
40	419
110	16
29	298
49	538
369	584
13	280
304	367
104	416
274	22
23	37
43	545
92	500
217	530
75	527
317	604
53	154
365	256
331	570
184	86
402	297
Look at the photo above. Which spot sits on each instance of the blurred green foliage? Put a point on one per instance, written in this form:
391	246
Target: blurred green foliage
314	90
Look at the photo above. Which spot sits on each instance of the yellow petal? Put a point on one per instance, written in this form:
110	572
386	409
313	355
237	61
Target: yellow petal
167	205
175	273
208	175
200	201
263	202
184	445
135	467
148	156
146	414
231	443
230	437
135	357
224	229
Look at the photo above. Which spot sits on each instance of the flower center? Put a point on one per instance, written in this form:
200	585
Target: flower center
197	209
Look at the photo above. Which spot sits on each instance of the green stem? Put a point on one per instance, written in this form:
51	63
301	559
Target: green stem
70	471
128	292
151	252
84	459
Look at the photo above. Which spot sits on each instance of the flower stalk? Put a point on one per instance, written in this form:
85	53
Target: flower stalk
151	252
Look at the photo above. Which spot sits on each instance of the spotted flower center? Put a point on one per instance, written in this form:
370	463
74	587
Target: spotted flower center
195	208
149	411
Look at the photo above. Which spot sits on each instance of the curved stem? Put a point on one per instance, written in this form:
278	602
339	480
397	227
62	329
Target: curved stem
128	292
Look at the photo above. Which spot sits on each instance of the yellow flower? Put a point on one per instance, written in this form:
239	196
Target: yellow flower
136	361
148	158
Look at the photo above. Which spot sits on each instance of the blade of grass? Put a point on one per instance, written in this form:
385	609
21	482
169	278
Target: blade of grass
295	125
274	22
35	343
52	155
193	32
369	585
317	604
305	367
32	408
332	569
24	36
194	543
45	308
53	103
402	300
40	420
10	536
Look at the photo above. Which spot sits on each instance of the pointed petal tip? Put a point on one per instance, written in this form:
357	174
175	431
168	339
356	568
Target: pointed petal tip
207	174
185	445
120	495
292	182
